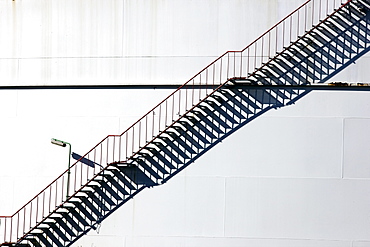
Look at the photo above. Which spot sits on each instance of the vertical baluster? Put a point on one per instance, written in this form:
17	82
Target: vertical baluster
200	83
120	146
234	67
255	56
11	229
24	220
56	193
213	76
227	67
241	64
153	124
290	28
127	145
173	107
81	177
139	137
327	6
43	205
62	189
50	197
159	117
114	148
180	101
17	228
75	182
312	12
186	97
276	39
101	154
221	69
305	18
133	140
248	57
269	44
88	167
192	94
107	155
166	113
146	128
205	89
37	208
298	21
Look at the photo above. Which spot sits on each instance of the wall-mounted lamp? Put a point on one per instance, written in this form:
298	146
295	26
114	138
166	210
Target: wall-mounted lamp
64	144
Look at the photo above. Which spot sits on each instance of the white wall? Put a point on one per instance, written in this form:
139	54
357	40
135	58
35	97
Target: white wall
297	176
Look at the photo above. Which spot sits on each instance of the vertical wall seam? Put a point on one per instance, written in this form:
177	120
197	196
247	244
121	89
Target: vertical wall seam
224	216
343	150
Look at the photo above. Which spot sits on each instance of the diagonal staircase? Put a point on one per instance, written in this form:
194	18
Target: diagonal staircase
232	91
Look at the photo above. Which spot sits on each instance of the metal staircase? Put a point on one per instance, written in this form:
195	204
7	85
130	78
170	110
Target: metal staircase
193	119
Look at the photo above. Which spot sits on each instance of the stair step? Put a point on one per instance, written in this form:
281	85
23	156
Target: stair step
115	184
203	124
41	237
328	53
359	36
336	23
83	210
71	221
303	74
215	123
104	185
102	194
176	138
218	109
275	69
200	125
293	60
325	43
147	168
121	177
34	242
173	147
331	47
263	96
88	194
279	93
229	107
261	79
183	133
58	231
168	153
366	3
154	163
190	129
89	204
63	224
338	42
136	175
241	95
77	215
52	237
162	157
354	11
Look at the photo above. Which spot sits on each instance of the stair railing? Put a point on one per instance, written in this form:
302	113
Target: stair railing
232	64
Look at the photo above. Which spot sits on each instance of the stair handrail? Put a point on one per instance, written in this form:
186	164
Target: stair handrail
234	60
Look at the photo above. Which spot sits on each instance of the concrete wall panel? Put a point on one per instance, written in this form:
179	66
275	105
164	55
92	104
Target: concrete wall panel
296	176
